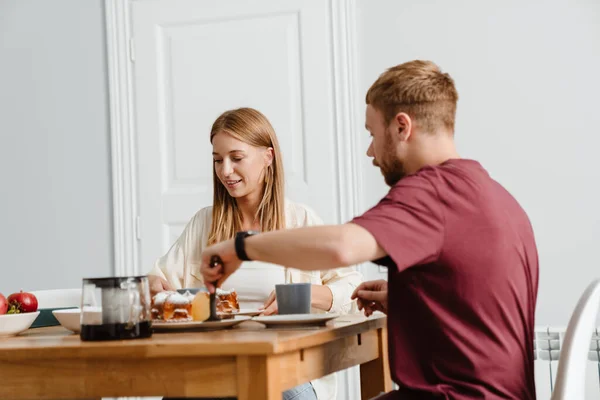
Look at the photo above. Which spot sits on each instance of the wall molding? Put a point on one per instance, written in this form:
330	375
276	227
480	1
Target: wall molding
122	138
350	183
345	65
123	153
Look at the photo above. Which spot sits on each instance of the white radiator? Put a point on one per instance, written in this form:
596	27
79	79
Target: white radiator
548	344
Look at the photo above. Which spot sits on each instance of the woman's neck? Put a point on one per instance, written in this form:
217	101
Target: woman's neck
248	206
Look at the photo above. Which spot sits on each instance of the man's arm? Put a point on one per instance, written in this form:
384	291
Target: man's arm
315	248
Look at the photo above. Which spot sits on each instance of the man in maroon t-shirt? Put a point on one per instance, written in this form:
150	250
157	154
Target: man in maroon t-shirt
460	251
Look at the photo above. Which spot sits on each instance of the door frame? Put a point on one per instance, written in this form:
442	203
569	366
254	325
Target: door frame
122	137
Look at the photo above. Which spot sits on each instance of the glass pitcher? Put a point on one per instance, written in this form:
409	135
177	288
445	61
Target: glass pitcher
115	308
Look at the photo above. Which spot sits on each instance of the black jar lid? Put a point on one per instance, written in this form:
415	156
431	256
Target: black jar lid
113	282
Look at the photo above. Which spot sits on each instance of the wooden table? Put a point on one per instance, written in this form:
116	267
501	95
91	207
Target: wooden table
249	361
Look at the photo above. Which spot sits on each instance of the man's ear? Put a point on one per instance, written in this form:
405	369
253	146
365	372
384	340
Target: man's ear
269	154
403	126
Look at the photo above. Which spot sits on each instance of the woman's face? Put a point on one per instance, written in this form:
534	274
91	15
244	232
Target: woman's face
239	166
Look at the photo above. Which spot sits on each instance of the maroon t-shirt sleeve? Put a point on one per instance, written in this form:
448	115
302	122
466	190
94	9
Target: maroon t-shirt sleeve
408	223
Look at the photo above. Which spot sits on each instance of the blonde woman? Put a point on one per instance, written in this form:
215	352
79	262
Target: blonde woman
249	196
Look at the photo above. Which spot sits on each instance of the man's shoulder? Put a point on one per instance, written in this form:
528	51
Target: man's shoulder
462	167
438	177
439	183
420	183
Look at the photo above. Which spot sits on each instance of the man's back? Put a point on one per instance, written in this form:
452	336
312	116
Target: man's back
463	277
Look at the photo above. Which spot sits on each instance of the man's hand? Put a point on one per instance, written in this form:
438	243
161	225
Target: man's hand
158	284
214	277
270	306
372	296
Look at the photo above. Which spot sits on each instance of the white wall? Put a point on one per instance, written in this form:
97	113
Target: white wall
55	205
528	77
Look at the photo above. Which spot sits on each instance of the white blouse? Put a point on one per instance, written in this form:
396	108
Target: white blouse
254	281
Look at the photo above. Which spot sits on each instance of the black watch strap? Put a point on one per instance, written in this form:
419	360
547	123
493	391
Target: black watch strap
240	247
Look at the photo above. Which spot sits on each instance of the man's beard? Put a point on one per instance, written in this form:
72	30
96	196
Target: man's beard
392	170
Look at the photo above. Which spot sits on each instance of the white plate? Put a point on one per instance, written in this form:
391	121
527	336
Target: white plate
196	325
295	320
244	311
13	324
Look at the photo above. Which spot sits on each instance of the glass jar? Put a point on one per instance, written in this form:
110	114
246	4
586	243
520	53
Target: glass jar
115	308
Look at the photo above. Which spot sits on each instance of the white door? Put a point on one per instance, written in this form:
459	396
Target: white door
196	59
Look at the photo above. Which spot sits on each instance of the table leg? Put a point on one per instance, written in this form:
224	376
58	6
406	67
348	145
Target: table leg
375	375
257	378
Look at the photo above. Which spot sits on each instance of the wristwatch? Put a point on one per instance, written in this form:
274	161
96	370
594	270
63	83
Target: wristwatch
240	248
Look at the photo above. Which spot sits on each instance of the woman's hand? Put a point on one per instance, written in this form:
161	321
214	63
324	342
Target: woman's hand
321	297
270	306
158	284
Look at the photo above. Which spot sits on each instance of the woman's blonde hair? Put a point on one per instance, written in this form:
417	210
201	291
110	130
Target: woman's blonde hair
251	127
